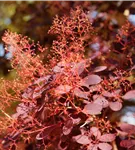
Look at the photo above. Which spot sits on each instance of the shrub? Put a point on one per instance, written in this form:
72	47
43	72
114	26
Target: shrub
68	102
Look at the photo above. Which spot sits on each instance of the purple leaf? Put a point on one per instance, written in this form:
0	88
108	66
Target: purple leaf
104	146
92	147
107	138
62	89
90	80
67	127
42	80
111	94
79	67
129	95
95	131
82	139
59	67
127	128
100	100
99	68
80	93
115	106
92	108
127	143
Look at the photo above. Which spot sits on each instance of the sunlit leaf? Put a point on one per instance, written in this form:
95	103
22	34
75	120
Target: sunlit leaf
92	147
101	101
129	95
107	137
62	89
127	143
82	139
100	68
92	108
67	127
80	93
79	67
95	131
104	146
115	106
127	128
90	80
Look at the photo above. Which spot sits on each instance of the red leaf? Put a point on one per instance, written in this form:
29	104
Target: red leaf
95	131
99	68
107	137
100	100
115	106
62	89
104	146
129	95
80	93
90	80
79	67
67	127
82	139
92	147
127	143
111	94
59	67
127	128
92	108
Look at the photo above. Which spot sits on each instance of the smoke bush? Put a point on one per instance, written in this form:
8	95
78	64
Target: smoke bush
67	103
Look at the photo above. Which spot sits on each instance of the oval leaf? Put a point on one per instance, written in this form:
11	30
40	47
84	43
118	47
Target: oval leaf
100	100
104	146
79	67
62	89
92	108
127	143
115	106
127	128
82	139
90	80
80	93
95	131
92	147
129	95
99	68
107	137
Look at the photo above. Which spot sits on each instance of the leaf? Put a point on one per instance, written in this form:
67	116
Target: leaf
28	93
127	128
107	137
67	127
95	131
99	68
127	143
92	147
62	89
111	94
82	139
92	108
80	93
101	101
90	80
79	67
115	106
42	80
129	95
104	146
59	67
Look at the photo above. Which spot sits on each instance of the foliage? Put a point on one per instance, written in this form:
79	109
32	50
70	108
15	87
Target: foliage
67	103
34	18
